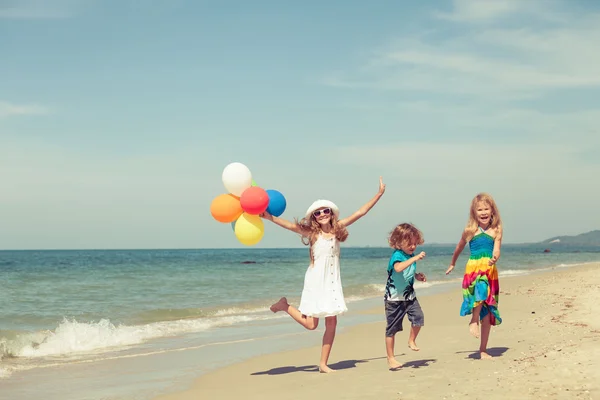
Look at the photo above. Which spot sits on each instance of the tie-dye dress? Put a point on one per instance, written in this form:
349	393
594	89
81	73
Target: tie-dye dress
480	283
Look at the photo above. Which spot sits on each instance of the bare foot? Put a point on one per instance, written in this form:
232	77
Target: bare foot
474	329
281	305
324	369
413	346
393	364
484	355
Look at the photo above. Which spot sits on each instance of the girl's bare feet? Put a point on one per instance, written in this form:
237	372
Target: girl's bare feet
413	346
484	355
474	329
324	369
281	305
393	364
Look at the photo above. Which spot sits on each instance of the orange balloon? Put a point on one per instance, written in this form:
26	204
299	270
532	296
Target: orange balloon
226	208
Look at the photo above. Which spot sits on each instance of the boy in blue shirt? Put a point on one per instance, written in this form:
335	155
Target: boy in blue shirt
400	298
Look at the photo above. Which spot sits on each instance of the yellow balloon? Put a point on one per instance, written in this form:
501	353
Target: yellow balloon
249	229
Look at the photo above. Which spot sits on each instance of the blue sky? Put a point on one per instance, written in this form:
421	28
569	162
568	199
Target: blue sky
118	117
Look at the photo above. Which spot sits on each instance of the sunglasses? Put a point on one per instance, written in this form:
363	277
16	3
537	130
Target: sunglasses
325	211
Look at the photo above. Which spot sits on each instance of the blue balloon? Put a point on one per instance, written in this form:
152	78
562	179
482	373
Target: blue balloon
277	203
233	225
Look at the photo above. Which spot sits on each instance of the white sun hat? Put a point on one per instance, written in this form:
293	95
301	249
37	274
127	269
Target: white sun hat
322	204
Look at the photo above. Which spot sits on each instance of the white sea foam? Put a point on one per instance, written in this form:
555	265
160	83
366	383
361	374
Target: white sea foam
375	289
419	285
513	272
5	373
73	337
238	310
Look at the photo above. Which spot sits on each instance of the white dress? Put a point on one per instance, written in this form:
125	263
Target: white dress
322	295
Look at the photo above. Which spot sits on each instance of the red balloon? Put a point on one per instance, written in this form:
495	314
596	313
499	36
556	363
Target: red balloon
254	200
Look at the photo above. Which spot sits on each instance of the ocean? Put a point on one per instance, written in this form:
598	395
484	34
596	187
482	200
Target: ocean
132	324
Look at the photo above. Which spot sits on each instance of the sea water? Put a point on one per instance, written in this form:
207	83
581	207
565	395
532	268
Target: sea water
130	324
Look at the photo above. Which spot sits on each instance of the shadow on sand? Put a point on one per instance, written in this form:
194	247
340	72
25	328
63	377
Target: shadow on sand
341	365
419	363
492	351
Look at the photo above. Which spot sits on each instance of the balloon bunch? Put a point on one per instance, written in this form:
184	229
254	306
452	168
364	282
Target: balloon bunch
244	203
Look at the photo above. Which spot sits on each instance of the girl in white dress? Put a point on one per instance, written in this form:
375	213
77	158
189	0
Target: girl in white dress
322	296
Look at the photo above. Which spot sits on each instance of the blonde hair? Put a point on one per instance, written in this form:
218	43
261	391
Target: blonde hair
472	224
404	235
311	229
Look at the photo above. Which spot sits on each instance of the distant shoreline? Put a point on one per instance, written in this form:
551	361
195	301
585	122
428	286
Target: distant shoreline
541	244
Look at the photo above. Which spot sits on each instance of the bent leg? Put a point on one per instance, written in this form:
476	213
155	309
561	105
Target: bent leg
474	324
309	323
417	320
412	337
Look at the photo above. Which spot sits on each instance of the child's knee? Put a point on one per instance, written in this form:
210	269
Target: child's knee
391	330
313	326
416	316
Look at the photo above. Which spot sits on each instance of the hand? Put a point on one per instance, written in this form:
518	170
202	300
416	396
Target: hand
266	215
420	256
381	185
421	277
450	268
494	258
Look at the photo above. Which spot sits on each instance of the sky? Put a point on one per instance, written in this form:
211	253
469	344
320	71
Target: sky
117	117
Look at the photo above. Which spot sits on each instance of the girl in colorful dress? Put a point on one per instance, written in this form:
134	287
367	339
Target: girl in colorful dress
322	296
480	285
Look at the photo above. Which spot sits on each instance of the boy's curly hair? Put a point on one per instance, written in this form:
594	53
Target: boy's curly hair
403	235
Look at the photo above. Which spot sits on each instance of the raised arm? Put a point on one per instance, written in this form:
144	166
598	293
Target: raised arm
497	245
364	209
400	266
459	248
284	223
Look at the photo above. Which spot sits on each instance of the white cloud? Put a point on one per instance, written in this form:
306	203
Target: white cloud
10	110
540	188
500	97
486	61
580	127
496	162
480	10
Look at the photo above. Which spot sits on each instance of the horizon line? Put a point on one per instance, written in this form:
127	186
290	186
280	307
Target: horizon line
249	248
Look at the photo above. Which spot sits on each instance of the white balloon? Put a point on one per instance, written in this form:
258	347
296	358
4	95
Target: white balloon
236	178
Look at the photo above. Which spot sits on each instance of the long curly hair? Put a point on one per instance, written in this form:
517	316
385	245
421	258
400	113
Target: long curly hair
403	235
311	230
472	224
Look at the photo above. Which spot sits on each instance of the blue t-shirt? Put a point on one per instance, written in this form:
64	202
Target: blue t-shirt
399	285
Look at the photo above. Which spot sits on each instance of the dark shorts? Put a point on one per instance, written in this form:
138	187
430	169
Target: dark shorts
395	312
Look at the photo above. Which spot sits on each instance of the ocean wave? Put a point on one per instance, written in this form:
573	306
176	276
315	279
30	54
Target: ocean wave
429	284
72	337
513	272
5	373
239	310
576	264
362	292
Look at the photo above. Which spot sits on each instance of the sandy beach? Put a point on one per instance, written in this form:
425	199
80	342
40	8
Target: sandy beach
548	346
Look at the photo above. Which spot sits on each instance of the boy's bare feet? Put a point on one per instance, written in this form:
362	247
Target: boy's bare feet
281	305
324	369
484	355
474	329
393	364
413	346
